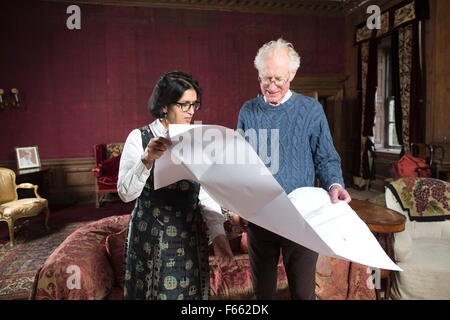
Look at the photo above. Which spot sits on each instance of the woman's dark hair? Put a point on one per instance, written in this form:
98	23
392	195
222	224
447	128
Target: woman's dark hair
169	88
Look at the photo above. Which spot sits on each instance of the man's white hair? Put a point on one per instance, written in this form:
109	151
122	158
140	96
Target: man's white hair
269	47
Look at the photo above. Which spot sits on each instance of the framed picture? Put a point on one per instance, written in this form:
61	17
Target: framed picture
27	157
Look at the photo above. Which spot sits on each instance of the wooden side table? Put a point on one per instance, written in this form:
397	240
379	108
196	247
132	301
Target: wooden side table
384	222
37	176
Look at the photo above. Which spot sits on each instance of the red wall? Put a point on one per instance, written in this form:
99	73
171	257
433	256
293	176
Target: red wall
81	87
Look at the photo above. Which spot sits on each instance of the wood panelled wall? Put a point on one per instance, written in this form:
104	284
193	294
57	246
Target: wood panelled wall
437	53
71	180
68	180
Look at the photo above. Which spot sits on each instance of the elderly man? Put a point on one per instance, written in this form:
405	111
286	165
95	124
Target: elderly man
306	151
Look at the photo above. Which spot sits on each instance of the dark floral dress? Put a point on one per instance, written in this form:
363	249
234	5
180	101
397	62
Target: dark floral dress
166	252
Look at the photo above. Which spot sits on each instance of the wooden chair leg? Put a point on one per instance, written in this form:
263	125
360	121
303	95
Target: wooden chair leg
11	232
97	200
47	213
97	194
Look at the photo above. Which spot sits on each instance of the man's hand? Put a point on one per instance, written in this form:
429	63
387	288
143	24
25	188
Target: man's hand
222	247
338	193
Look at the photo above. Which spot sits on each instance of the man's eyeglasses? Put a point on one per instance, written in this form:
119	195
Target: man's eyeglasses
279	82
185	107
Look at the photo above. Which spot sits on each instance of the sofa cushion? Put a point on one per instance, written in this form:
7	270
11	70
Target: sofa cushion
338	279
115	250
23	207
231	280
83	253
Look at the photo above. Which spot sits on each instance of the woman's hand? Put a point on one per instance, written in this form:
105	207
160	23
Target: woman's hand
222	247
155	149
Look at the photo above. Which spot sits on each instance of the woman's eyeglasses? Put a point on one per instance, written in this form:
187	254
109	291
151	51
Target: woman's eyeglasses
186	106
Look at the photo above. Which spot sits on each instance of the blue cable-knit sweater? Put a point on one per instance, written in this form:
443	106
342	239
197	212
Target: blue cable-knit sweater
305	148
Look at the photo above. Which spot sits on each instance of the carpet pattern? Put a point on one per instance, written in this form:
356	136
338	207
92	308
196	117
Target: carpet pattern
18	264
33	244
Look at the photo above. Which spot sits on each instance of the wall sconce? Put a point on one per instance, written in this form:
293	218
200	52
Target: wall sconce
11	100
1	99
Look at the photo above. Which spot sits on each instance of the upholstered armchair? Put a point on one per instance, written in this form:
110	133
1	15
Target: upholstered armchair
422	250
12	208
106	171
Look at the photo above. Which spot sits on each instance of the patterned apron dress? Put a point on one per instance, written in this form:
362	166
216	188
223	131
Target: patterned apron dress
166	251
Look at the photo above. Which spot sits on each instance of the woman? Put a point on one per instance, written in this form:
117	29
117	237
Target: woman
166	252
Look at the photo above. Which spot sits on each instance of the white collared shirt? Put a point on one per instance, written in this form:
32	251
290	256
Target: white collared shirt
133	175
285	98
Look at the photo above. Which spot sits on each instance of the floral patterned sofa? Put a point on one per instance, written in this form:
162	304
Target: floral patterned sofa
88	265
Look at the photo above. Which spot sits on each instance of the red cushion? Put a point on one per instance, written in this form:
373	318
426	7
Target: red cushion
84	248
115	249
232	279
110	167
108	181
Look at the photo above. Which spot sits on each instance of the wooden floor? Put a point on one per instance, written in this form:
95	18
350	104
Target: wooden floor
363	194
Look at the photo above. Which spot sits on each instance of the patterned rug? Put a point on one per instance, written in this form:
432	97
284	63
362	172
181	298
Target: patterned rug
32	246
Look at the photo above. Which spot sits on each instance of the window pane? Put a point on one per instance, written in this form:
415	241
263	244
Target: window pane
391	110
393	140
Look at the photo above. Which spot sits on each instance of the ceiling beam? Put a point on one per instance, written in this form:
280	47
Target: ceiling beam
293	7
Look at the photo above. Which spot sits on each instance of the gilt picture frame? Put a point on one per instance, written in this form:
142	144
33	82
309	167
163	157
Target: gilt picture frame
27	157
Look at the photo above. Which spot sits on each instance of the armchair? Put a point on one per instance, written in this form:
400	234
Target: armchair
422	250
12	208
107	160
